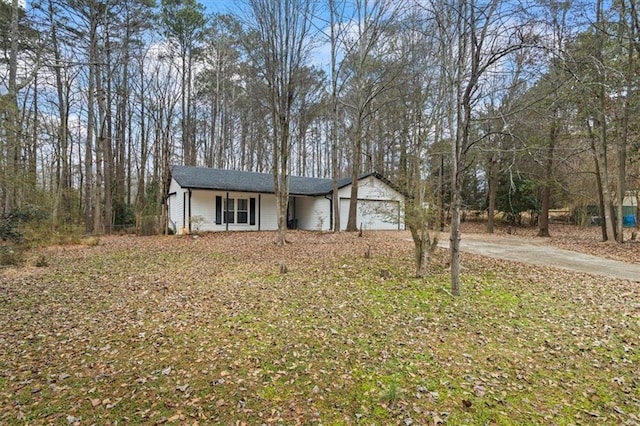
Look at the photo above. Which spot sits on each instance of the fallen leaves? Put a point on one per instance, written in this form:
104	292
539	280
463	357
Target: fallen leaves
163	330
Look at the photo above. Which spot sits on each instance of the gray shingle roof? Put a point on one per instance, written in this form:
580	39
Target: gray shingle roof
239	181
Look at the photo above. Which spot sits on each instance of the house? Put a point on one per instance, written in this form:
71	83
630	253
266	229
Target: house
630	208
206	199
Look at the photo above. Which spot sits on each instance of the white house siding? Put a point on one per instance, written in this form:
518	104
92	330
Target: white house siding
379	206
203	211
175	206
313	213
631	199
269	216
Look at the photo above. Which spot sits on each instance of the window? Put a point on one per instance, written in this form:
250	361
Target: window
243	210
229	211
235	210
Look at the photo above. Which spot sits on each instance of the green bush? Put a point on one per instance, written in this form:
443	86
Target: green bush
516	195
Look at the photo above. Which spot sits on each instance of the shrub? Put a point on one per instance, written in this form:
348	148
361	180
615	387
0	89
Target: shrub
12	236
41	261
11	255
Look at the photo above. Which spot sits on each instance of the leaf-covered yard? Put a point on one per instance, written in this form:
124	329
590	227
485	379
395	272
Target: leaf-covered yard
183	330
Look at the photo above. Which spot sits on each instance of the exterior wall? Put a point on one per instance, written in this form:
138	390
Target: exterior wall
631	199
203	211
313	213
268	215
176	207
379	206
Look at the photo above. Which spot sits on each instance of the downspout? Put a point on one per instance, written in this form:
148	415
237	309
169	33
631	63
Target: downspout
398	215
225	212
189	210
330	198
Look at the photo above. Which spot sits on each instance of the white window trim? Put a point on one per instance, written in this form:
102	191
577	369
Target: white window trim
235	211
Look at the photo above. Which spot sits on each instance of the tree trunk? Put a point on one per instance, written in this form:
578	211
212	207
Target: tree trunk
454	243
62	202
184	123
282	206
599	185
603	176
281	178
623	135
11	115
352	222
91	93
106	133
601	146
622	173
424	244
543	218
335	168
494	165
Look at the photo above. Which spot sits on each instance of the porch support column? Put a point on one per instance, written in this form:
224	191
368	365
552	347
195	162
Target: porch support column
259	210
189	210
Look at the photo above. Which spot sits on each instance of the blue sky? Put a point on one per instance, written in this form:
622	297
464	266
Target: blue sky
220	6
321	53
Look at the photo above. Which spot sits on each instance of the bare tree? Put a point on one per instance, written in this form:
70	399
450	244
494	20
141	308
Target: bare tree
334	35
281	31
368	77
420	106
626	39
482	34
558	12
11	112
21	53
184	23
602	124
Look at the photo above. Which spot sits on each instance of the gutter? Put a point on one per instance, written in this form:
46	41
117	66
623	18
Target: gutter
252	191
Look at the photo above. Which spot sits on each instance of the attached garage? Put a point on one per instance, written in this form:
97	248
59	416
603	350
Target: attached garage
384	215
380	205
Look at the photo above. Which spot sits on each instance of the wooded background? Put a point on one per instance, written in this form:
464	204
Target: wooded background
467	105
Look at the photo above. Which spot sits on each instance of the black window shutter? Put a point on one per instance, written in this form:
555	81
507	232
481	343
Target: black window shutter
218	210
252	211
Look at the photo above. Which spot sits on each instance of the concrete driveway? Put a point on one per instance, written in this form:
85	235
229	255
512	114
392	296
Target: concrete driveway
532	252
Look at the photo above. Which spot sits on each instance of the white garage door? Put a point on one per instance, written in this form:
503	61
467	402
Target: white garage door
372	214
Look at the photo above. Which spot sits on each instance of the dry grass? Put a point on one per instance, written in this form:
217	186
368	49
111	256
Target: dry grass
179	330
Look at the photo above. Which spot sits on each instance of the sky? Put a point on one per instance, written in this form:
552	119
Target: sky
219	6
320	56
